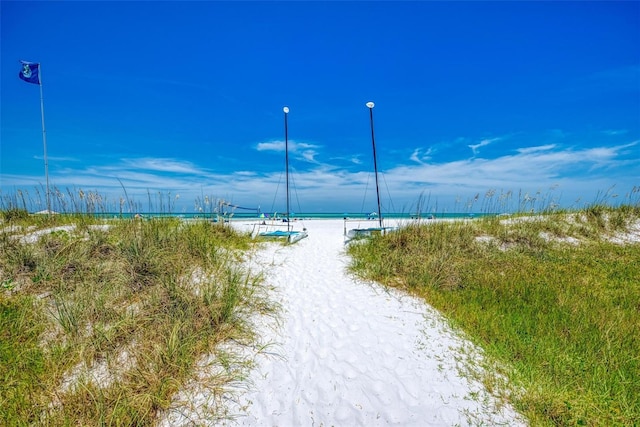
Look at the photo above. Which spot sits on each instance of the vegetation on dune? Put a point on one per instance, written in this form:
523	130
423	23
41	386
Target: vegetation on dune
102	323
553	297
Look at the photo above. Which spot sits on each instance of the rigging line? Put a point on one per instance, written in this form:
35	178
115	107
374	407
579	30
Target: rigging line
364	198
273	203
393	208
240	207
295	190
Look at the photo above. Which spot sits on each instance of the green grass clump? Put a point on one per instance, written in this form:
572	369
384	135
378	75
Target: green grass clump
549	296
104	323
14	214
22	361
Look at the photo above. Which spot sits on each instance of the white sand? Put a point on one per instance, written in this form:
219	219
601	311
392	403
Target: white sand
350	353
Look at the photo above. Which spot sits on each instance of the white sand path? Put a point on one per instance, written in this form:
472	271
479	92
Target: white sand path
342	352
351	353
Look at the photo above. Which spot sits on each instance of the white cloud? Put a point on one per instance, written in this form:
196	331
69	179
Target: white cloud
277	145
309	156
355	159
419	157
475	147
161	165
271	146
528	150
614	132
300	150
57	159
577	173
246	173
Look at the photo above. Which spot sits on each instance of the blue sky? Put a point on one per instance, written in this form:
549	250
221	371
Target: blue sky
182	101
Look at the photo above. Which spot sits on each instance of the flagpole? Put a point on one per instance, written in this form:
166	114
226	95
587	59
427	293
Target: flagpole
44	140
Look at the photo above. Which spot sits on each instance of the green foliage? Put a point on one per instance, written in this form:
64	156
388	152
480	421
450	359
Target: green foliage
563	316
22	361
14	214
123	295
16	258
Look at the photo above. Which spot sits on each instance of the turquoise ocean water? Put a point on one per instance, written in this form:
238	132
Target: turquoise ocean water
301	215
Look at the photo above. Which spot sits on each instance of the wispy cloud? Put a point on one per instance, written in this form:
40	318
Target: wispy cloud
271	146
529	150
356	160
614	132
57	158
530	166
279	145
161	165
577	172
419	156
484	142
302	150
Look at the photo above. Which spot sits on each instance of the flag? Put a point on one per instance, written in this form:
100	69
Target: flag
30	72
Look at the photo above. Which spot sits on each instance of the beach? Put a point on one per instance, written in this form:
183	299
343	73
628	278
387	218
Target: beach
345	352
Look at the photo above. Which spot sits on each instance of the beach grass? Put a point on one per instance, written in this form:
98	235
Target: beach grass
552	299
104	321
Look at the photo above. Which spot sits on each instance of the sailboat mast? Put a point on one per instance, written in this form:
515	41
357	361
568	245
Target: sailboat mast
375	161
286	157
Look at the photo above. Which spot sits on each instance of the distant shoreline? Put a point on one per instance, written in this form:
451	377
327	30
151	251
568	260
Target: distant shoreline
292	217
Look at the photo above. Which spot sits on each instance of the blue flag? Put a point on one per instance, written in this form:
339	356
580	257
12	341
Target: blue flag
30	72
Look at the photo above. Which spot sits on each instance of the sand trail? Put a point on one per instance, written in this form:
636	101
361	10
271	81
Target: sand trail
350	353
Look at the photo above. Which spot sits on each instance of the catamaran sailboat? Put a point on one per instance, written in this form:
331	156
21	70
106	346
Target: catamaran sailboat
289	235
381	229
